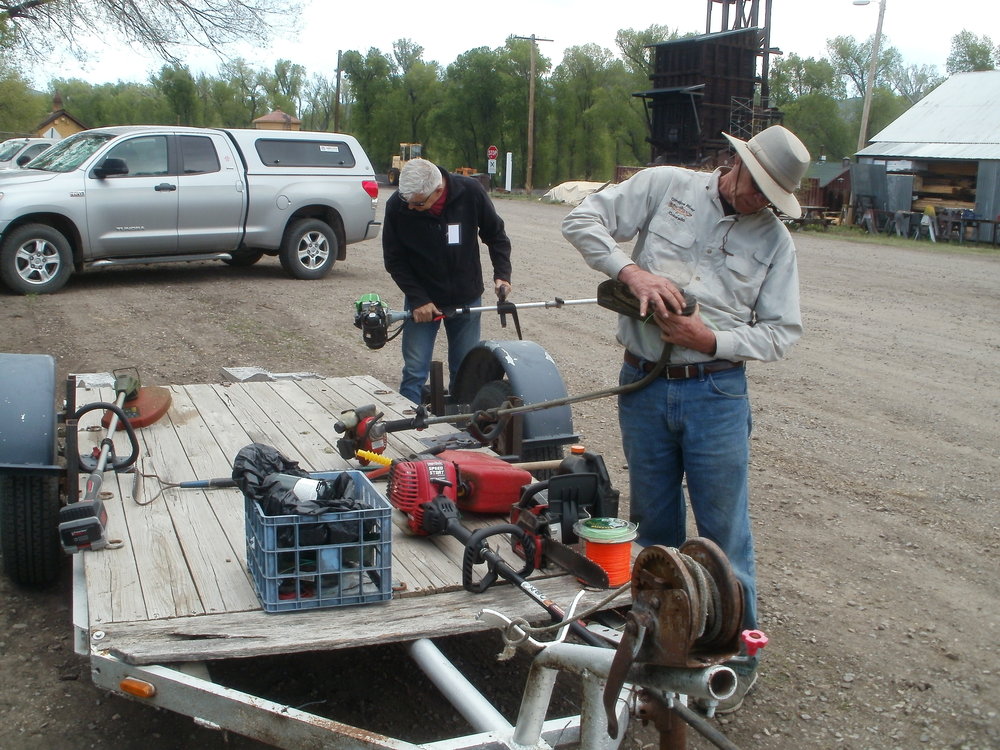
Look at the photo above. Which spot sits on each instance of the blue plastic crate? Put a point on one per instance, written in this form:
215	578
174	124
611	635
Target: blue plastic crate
291	572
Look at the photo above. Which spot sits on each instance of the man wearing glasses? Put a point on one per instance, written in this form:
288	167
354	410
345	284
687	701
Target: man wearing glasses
714	235
430	245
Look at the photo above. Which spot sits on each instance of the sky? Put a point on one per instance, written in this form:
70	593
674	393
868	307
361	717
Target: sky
920	29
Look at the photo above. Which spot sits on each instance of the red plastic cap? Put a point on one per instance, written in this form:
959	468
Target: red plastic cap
754	640
577	450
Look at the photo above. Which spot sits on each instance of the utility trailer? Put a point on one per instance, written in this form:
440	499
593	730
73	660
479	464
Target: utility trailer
171	594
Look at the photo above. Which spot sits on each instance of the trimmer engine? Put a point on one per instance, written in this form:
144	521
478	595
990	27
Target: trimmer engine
374	317
476	482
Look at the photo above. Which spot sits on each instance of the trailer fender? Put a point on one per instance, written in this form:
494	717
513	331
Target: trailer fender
533	377
27	411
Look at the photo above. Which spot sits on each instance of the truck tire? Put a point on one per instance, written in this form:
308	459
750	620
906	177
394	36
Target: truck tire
29	529
309	249
35	259
244	258
393	177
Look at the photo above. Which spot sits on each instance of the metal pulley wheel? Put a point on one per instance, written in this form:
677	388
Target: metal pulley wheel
695	601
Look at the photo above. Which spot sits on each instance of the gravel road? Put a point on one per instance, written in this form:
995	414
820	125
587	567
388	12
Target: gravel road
874	487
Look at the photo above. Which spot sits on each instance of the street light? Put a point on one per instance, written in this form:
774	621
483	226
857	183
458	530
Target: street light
872	65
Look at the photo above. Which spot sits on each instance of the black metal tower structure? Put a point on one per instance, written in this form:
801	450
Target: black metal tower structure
706	84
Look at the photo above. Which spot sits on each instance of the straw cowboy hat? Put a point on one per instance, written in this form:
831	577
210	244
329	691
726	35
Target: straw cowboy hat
778	161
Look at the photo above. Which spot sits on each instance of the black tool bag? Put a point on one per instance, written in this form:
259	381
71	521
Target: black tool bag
260	471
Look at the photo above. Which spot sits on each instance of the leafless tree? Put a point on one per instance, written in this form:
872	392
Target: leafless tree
35	28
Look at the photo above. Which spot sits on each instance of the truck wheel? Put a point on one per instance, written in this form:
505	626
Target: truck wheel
309	249
29	529
35	259
244	258
393	177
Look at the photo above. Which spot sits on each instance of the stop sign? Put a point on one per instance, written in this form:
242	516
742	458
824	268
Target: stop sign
492	152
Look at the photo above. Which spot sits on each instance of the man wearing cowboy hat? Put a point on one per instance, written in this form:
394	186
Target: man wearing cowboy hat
714	235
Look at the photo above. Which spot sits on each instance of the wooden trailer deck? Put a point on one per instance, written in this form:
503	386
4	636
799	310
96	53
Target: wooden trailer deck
176	588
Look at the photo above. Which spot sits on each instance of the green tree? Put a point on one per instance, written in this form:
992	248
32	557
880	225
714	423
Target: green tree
249	86
816	119
631	127
225	105
970	53
285	87
914	82
794	77
320	97
852	60
20	109
120	103
584	139
416	92
368	85
469	117
177	85
634	47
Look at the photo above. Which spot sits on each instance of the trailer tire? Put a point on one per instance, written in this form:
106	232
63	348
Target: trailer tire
29	529
35	259
309	249
244	258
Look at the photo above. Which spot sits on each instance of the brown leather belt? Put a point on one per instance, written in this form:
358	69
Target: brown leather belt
681	372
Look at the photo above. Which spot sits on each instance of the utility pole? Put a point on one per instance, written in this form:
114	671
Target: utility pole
866	108
530	168
336	103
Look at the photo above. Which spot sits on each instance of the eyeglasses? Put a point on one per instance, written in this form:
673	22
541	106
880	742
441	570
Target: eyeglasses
426	202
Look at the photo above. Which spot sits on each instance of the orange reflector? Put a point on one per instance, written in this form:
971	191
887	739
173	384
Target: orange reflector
138	688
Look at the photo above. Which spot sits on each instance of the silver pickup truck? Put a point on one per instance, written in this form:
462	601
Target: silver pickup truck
152	194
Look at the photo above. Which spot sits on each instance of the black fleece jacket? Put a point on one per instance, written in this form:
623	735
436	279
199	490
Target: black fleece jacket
437	258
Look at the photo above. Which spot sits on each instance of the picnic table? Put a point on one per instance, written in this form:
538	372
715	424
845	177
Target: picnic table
811	216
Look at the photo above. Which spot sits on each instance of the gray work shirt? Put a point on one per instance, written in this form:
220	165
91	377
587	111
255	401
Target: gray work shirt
741	267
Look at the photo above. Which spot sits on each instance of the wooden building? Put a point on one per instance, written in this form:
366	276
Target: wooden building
942	153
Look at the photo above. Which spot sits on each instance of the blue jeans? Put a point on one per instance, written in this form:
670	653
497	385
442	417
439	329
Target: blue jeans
418	348
698	429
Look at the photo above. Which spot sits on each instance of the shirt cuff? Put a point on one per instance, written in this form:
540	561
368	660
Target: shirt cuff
725	345
615	262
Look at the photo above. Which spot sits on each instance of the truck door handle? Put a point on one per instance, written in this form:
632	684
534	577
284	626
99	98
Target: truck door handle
165	186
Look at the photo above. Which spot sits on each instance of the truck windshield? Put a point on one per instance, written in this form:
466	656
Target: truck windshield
9	148
69	154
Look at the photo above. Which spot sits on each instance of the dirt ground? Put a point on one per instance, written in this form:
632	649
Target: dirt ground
874	488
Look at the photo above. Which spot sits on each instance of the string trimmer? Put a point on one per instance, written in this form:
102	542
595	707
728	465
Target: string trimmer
374	317
363	427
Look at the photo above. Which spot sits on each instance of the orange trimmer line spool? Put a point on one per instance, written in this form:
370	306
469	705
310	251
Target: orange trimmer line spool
615	558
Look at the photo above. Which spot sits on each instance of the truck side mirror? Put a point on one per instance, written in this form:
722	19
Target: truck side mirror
22	160
110	166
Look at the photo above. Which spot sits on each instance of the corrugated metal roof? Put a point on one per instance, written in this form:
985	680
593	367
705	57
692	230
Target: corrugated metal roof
951	151
958	120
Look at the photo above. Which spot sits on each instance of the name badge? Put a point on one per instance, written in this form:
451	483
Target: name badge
454	235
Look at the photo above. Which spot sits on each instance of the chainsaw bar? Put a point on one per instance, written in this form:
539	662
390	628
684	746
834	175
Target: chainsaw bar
586	570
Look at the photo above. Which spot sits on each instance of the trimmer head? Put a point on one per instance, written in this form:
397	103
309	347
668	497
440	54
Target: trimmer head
147	406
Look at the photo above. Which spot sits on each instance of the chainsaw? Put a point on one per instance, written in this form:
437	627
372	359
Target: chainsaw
473	482
440	515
